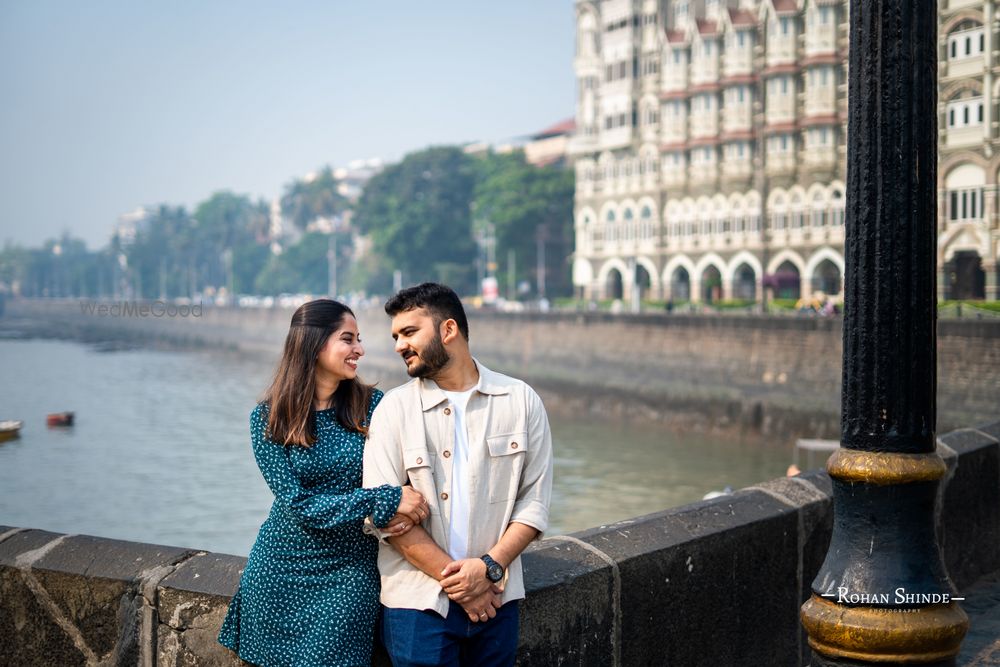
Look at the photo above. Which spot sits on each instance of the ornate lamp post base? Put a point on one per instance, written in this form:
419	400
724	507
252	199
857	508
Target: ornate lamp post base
882	595
931	634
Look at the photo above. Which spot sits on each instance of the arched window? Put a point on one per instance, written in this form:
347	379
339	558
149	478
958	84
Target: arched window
779	214
646	223
798	212
818	213
965	110
837	207
964	193
967	40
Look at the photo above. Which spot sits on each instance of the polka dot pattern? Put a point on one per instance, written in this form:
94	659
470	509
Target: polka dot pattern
309	593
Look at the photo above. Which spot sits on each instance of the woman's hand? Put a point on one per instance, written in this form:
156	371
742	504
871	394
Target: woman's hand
399	525
413	505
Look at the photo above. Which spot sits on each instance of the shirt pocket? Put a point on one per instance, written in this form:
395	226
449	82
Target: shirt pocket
419	465
506	462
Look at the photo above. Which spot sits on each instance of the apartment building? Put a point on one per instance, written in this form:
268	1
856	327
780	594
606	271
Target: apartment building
710	149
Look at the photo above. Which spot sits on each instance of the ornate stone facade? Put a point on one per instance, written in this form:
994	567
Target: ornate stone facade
710	150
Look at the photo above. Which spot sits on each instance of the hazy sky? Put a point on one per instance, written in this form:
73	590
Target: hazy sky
105	106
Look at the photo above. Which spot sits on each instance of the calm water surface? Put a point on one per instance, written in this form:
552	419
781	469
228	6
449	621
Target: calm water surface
160	451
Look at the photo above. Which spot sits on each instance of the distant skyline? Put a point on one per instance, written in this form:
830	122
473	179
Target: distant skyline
112	105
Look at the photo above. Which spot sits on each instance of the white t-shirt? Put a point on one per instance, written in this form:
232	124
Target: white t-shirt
458	531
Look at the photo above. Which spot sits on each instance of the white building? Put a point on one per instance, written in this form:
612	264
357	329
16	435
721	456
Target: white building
711	144
129	224
968	162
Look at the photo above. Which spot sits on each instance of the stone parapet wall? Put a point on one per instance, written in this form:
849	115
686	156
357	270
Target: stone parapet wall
717	582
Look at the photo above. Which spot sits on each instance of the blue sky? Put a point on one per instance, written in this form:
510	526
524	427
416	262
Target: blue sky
105	106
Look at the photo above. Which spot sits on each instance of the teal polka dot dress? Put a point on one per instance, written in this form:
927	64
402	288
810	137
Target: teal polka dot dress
309	593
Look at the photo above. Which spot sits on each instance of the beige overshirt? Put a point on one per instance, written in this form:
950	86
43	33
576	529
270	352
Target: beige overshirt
411	440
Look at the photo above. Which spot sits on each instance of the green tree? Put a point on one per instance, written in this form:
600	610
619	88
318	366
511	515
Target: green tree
176	254
301	268
61	267
160	260
14	261
417	214
529	207
228	231
307	200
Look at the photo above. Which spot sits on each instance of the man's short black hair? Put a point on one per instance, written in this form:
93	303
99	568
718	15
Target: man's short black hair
440	300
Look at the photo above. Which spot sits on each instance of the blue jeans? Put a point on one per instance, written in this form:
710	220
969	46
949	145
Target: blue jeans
421	638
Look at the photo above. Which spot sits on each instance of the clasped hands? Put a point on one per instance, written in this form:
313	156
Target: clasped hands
465	582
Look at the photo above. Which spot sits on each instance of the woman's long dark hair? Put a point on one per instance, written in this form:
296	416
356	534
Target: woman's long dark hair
291	420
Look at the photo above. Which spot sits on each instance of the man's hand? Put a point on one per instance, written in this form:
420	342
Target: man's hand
464	580
483	607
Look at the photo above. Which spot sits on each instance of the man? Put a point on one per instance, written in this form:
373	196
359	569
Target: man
477	445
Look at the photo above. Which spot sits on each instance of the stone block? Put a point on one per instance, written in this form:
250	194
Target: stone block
970	512
208	573
29	633
192	603
697	581
568	616
23	542
94	583
991	429
810	494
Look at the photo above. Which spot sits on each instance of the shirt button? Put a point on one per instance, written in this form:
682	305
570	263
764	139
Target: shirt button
513	445
419	460
444	496
447	453
447	411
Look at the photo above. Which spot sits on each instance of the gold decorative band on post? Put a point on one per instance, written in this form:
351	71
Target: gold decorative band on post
927	634
853	465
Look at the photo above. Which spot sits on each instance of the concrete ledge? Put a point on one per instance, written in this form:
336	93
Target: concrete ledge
713	583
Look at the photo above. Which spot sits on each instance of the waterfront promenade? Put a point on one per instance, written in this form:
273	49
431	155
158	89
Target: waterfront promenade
718	582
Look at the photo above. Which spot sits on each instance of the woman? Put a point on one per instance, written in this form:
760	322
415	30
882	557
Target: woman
309	593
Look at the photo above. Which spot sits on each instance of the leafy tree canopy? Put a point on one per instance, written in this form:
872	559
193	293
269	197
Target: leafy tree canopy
417	213
307	200
524	202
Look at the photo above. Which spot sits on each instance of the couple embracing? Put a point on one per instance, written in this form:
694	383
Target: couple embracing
428	493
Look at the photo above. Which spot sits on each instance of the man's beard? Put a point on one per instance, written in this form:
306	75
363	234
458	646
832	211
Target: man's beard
431	360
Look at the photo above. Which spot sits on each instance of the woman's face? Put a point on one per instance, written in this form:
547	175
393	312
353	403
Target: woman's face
339	357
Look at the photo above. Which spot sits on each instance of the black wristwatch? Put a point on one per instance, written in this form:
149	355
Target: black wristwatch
494	570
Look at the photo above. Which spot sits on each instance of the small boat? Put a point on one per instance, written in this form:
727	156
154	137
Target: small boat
10	429
59	419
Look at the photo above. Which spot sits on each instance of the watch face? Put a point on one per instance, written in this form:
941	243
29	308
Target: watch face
494	572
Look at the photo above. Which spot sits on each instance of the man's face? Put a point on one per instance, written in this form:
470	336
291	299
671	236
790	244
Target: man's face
418	342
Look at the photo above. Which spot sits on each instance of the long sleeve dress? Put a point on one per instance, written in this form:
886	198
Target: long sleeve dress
309	593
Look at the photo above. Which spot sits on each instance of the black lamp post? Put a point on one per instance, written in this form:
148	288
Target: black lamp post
882	595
